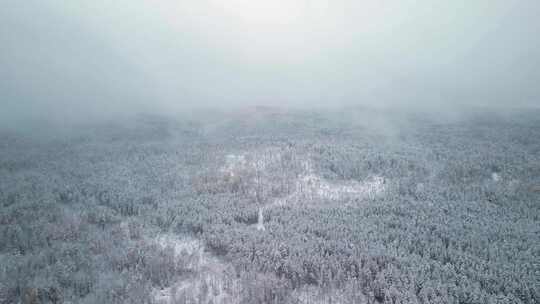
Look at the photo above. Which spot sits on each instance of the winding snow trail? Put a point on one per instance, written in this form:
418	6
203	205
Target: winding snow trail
307	189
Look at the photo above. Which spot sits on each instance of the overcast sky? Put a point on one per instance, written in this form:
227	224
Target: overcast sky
79	58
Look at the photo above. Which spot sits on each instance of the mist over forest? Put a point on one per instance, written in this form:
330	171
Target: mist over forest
70	61
270	152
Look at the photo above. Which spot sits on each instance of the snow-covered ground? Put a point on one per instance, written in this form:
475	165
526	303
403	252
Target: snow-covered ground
233	164
318	187
310	294
312	187
307	187
211	280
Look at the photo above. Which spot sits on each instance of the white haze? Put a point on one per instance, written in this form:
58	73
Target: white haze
89	59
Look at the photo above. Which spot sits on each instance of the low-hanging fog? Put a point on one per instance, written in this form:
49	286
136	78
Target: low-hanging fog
72	59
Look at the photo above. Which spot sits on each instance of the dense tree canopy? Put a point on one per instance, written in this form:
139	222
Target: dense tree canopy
436	212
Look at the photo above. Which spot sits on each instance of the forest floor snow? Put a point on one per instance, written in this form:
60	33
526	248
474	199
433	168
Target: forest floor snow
308	186
311	187
210	279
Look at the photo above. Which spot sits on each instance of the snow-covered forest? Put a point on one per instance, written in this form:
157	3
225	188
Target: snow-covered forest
270	206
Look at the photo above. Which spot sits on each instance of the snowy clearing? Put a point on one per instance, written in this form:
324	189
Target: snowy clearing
210	280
